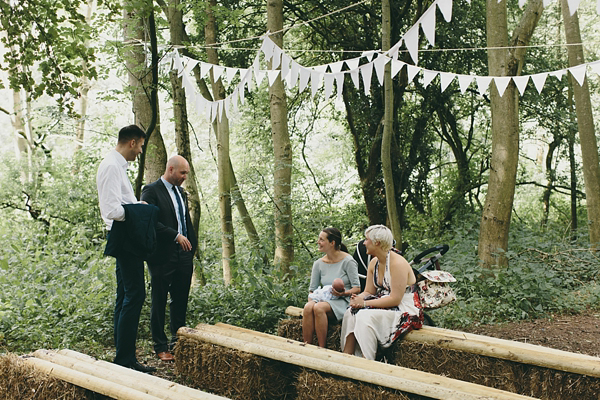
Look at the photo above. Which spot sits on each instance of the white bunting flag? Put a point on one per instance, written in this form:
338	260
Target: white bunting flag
230	73
366	71
214	109
595	66
501	83
199	105
428	24
178	63
241	91
285	65
539	80
446	79
328	78
445	7
411	41
428	76
260	76
267	47
339	83
227	107
573	5
316	79
220	107
294	72
521	83
352	63
463	82
368	54
412	72
189	66
397	67
393	51
217	72
559	74
276	61
521	3
272	75
354	74
304	78
204	69
336	66
379	65
320	68
578	73
483	82
234	100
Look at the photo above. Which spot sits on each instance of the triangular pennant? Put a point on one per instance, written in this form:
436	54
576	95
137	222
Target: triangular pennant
320	68
276	61
285	65
178	63
336	66
256	69
411	41
355	77
428	24
220	107
464	81
214	107
446	79
234	100
521	3
445	7
428	76
339	83
578	73
230	73
521	83
328	78
595	66
573	5
501	83
539	80
396	67
217	71
189	66
273	74
204	69
483	82
304	78
352	63
559	74
294	72
226	106
546	3
241	91
200	105
367	71
316	79
379	65
412	72
260	76
393	51
267	47
368	54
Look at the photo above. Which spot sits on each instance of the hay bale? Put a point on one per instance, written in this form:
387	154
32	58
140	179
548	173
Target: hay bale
232	373
292	329
22	382
312	385
529	380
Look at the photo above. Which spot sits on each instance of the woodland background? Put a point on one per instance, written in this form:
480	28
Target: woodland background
267	179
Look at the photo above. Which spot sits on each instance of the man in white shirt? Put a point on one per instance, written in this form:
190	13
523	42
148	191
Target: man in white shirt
114	190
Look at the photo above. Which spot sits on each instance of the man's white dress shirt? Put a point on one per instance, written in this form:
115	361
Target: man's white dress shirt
114	188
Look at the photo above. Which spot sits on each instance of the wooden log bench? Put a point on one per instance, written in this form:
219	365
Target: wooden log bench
109	379
339	365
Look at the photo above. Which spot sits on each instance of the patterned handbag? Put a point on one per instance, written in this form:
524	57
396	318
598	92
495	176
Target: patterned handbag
434	289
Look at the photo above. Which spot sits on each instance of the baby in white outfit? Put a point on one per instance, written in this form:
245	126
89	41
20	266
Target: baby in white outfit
326	293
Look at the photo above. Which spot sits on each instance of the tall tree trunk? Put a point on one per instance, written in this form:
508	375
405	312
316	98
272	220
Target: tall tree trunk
550	178
85	84
386	141
282	149
223	165
585	123
182	135
495	221
140	83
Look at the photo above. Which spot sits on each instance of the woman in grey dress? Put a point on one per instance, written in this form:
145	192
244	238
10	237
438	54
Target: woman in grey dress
336	263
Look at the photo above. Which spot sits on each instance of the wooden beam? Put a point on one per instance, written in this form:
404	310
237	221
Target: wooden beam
86	381
344	365
500	348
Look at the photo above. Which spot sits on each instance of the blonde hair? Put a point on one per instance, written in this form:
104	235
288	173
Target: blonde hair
381	236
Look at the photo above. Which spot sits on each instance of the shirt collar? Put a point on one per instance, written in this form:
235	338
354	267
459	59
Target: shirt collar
167	184
120	159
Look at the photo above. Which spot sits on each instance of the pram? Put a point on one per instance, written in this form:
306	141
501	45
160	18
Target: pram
363	259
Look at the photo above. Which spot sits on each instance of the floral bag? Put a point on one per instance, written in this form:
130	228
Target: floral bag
434	289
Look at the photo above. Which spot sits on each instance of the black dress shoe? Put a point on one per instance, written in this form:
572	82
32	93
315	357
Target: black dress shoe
142	368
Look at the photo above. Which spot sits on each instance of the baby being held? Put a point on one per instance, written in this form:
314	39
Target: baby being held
326	293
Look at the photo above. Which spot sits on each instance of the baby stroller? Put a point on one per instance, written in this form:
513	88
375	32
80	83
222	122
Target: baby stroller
363	260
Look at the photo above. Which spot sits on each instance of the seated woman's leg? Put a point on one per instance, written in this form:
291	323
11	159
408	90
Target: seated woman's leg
348	341
364	333
322	311
308	322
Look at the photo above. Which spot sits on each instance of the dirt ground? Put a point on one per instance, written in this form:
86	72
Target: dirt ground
574	333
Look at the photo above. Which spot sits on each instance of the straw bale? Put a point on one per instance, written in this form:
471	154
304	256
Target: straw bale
292	329
232	373
19	381
312	385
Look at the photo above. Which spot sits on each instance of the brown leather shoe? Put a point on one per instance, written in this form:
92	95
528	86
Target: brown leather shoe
166	356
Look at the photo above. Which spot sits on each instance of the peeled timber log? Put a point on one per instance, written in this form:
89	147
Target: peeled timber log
93	383
500	348
344	365
144	383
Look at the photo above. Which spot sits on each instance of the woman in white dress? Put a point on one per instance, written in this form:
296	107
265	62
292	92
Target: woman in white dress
336	263
388	307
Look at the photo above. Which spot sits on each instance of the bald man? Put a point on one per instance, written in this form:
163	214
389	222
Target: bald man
171	265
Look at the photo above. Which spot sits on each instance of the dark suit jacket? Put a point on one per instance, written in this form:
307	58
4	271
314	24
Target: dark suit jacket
137	234
166	230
